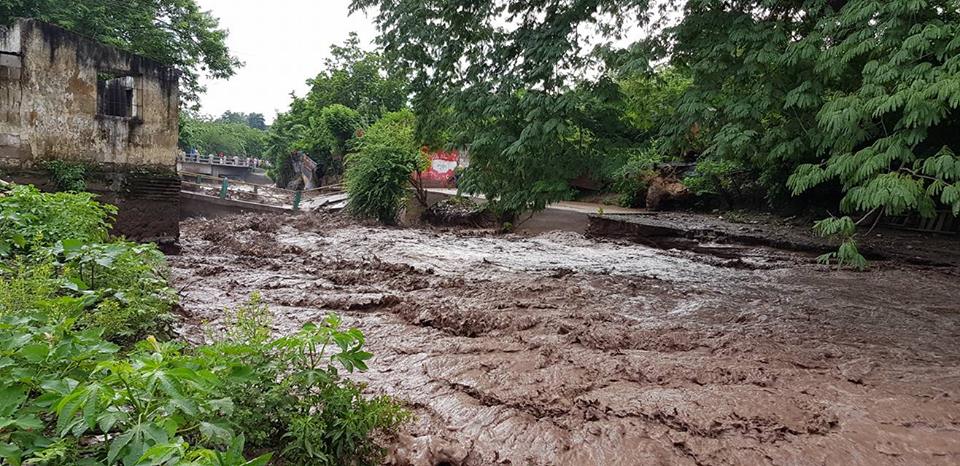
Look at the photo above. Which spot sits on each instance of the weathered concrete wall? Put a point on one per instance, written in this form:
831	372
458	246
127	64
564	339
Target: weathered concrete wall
49	102
51	109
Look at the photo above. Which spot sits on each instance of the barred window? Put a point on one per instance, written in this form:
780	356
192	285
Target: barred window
117	96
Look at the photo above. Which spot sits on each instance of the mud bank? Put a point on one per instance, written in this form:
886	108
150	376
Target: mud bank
558	349
687	229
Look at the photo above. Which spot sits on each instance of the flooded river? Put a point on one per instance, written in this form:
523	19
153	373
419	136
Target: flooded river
562	350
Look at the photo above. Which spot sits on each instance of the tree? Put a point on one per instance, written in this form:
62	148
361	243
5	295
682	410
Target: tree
379	172
173	32
505	75
256	121
352	92
210	136
805	95
857	95
357	79
253	120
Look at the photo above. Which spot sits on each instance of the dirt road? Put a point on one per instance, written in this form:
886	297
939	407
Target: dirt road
557	349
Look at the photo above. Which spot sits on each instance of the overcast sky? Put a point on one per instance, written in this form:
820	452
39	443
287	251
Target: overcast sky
283	43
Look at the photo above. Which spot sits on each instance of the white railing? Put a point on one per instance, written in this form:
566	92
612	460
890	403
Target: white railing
226	160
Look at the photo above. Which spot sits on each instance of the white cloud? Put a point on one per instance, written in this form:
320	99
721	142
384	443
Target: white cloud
283	43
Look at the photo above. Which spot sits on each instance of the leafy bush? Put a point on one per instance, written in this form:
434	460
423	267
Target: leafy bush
71	396
56	248
31	219
296	401
67	176
379	173
126	284
633	178
68	397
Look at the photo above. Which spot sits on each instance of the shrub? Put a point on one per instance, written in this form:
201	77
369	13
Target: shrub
56	253
296	401
67	176
632	180
126	284
71	396
68	397
31	219
379	173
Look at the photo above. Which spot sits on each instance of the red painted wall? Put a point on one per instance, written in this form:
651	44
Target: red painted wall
441	171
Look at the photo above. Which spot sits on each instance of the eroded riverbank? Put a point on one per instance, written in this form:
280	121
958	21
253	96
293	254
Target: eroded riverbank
558	349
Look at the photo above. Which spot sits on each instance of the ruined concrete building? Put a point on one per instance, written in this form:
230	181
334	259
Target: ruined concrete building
66	97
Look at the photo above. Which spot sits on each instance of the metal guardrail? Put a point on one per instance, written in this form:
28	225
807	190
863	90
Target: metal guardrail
225	160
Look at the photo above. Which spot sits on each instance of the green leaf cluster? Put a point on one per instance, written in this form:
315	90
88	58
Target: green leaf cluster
852	103
174	32
222	135
380	171
352	92
76	390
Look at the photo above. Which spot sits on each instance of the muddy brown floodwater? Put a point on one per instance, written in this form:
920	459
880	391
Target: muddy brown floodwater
557	349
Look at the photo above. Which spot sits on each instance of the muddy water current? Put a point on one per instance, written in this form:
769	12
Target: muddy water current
558	349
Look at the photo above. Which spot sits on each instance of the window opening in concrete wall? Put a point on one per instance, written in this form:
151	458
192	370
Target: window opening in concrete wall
118	96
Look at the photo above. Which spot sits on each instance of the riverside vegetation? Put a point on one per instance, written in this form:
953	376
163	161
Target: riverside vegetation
89	373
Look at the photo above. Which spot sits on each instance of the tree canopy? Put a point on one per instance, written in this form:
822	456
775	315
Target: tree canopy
857	96
353	91
173	32
357	79
213	136
253	120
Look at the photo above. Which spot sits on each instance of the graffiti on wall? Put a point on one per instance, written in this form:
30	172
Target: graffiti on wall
443	168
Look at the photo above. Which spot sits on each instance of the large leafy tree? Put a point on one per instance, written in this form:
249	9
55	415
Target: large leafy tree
504	75
214	136
860	95
353	91
173	32
857	95
253	120
357	79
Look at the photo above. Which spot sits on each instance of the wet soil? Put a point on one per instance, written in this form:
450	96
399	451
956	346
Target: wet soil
668	229
558	349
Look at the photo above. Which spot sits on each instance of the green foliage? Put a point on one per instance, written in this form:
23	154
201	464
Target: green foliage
297	400
124	283
56	245
209	136
253	120
352	92
357	79
804	95
342	123
633	178
848	254
174	32
486	75
67	176
858	97
69	395
379	173
30	219
727	179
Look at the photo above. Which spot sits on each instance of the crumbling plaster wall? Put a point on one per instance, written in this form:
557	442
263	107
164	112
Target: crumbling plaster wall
48	102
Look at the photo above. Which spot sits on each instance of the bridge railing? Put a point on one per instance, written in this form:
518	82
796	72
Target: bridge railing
225	160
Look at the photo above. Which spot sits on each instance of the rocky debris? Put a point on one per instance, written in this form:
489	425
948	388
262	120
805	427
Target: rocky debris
458	211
